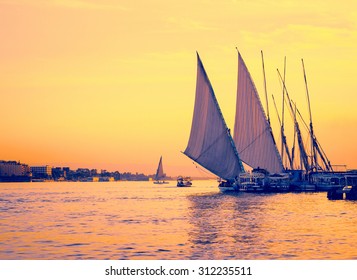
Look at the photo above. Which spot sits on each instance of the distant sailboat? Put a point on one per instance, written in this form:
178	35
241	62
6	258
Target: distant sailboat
210	143
160	175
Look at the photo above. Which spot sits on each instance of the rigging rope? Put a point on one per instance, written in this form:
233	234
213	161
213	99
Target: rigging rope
256	138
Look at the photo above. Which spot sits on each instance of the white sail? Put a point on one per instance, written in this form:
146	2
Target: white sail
253	136
160	171
210	143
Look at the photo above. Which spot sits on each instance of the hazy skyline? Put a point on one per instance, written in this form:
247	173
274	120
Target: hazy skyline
110	84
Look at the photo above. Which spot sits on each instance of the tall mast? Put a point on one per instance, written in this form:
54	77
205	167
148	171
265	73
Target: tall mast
295	136
284	145
282	112
265	88
282	117
304	159
314	163
282	140
276	109
267	106
303	154
318	149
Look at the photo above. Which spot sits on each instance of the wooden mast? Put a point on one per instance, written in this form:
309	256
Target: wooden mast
314	164
265	89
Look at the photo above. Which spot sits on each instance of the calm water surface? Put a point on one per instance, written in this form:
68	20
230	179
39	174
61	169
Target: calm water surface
140	220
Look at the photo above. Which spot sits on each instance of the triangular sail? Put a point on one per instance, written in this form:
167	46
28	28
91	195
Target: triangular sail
253	136
160	171
210	143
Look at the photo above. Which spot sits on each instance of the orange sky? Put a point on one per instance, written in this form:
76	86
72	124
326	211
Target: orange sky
110	84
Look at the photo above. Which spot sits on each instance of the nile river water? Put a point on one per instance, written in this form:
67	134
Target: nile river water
141	220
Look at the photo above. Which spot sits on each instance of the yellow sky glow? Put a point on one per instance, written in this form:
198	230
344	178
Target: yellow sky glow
110	84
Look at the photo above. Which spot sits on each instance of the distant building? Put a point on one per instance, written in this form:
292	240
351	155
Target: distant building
14	171
13	168
66	169
58	174
41	171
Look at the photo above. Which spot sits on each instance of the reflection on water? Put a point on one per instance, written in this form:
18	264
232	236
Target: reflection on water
226	226
272	226
140	220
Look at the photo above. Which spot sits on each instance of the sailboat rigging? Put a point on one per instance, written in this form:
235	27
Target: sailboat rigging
315	149
303	153
211	145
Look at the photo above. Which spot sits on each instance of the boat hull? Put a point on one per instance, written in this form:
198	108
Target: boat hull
252	189
304	188
184	182
227	189
160	183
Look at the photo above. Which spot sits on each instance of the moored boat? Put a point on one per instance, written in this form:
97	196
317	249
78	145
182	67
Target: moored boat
228	186
279	182
252	181
325	181
349	191
251	187
184	181
211	145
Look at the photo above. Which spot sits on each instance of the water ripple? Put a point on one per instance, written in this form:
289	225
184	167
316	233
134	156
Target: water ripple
134	220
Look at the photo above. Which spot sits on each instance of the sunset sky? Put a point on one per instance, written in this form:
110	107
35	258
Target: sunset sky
110	84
